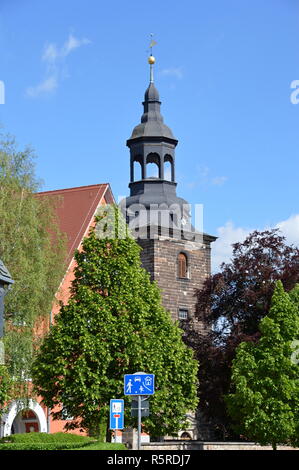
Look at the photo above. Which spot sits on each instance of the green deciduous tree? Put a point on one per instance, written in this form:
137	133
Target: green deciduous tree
33	255
114	324
265	377
5	387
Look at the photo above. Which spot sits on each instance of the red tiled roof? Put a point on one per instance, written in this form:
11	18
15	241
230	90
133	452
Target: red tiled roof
75	210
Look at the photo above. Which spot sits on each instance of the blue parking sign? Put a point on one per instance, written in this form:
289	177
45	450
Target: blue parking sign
116	414
139	384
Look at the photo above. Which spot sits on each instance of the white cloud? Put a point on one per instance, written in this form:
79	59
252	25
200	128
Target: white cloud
229	234
290	229
54	58
175	72
219	180
50	53
221	248
73	43
204	178
48	85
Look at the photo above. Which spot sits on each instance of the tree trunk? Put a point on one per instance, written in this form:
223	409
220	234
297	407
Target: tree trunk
98	430
108	433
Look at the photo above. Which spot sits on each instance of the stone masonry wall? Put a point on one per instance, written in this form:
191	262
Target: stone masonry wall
159	257
199	445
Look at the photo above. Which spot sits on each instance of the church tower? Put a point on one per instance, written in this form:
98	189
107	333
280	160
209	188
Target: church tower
175	254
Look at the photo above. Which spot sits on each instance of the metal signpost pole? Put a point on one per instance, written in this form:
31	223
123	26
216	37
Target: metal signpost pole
139	422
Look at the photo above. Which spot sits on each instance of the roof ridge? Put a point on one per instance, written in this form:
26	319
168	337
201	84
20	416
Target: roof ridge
75	188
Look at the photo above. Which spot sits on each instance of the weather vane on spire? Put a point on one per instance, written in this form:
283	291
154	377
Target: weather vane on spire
151	59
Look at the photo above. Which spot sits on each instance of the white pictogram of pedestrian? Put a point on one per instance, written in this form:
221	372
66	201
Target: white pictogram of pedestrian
129	386
116	407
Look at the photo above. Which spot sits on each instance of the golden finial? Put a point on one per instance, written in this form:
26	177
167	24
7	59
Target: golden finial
151	59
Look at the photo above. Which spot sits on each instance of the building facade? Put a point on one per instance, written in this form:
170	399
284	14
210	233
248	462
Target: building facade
76	210
175	254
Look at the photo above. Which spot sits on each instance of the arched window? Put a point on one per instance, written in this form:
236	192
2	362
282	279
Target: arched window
153	168
167	171
168	168
137	168
137	171
182	265
186	435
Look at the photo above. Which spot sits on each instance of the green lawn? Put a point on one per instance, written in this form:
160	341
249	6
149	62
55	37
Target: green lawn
55	441
103	446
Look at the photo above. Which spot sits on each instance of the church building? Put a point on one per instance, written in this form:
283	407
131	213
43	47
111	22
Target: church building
175	254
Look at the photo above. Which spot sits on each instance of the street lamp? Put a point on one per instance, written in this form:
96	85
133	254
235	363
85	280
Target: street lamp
5	283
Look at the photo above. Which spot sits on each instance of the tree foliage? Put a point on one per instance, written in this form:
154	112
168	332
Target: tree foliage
5	388
34	257
265	399
231	304
114	324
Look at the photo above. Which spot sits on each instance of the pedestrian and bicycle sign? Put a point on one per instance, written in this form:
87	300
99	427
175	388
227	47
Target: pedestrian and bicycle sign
139	384
116	414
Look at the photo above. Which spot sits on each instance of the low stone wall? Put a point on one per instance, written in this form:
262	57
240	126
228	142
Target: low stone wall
199	445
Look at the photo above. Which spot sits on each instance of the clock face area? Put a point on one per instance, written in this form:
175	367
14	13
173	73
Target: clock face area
184	221
186	215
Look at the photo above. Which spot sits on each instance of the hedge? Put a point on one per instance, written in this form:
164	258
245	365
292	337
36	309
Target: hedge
45	437
42	446
44	441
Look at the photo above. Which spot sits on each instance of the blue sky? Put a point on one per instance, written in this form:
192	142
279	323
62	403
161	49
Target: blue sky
75	73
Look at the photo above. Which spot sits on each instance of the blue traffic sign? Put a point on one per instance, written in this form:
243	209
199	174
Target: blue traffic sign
116	414
139	384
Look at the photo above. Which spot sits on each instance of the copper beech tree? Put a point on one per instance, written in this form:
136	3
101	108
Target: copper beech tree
232	303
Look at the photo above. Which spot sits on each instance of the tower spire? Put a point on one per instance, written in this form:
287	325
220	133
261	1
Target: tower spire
152	152
151	59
